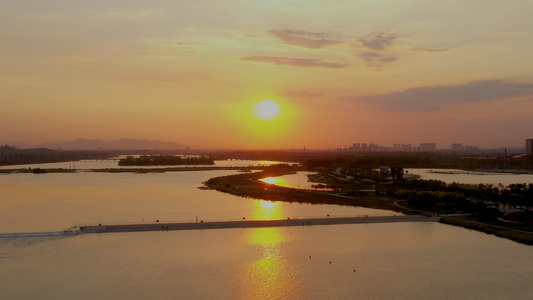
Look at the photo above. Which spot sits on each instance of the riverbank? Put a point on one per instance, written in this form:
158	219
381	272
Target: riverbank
516	235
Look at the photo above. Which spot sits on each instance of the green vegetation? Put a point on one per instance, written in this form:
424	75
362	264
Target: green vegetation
165	160
247	185
500	229
39	171
419	160
350	181
479	199
482	205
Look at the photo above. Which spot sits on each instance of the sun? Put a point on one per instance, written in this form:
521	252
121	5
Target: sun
264	120
267	109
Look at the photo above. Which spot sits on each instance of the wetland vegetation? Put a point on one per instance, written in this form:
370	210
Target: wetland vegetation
166	160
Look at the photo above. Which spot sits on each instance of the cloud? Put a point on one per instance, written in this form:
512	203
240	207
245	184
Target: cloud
191	44
429	49
296	62
378	41
371	48
435	98
303	38
375	58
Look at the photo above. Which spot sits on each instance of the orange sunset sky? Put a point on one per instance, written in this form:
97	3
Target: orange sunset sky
340	71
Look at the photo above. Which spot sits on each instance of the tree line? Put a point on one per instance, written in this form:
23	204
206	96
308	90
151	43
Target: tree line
419	160
481	199
165	160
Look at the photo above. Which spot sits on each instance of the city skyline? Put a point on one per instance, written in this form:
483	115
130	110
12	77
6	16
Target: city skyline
335	71
144	144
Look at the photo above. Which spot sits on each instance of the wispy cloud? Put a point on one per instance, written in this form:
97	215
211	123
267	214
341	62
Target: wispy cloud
435	98
375	58
190	44
371	48
378	41
296	62
429	49
304	38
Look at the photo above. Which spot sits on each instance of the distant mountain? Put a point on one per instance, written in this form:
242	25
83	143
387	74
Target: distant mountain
122	144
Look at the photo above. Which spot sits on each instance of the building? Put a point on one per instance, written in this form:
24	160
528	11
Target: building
406	147
529	146
428	147
384	170
457	147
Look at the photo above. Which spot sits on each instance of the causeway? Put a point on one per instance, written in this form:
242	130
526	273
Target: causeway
164	226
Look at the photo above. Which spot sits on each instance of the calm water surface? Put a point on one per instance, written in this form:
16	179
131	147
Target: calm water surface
107	164
298	180
473	177
56	201
391	261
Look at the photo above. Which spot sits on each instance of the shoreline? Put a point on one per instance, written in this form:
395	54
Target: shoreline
248	185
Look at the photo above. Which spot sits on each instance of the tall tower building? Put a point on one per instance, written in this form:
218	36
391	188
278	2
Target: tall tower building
529	146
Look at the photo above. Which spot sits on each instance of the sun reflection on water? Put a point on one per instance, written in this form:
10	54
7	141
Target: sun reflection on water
266	204
269	275
270	180
276	181
269	162
267	210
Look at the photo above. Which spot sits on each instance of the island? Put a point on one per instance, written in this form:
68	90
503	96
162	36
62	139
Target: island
166	160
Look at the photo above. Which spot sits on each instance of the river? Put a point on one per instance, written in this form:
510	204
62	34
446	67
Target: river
472	177
372	261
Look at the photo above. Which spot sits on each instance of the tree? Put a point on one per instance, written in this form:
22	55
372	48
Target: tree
396	173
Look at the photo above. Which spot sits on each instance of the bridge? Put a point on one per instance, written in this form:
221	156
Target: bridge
164	226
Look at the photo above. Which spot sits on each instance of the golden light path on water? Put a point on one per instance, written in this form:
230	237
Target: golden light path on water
270	275
276	181
268	162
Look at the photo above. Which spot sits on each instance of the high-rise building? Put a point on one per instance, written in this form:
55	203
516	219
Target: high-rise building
406	147
529	146
457	147
428	147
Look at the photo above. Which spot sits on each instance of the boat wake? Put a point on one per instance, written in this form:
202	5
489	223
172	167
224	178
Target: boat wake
39	235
